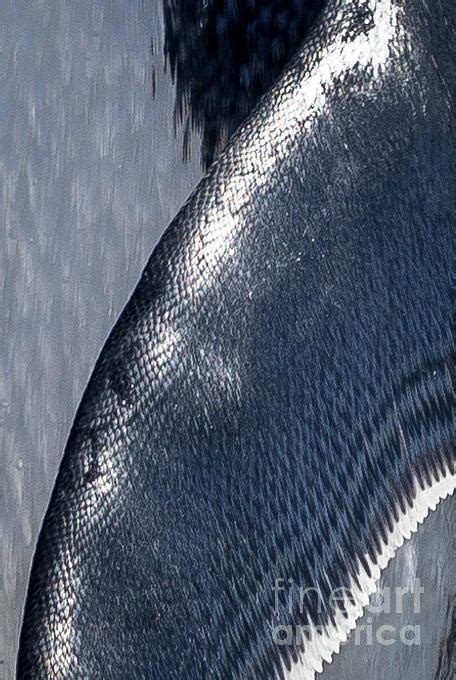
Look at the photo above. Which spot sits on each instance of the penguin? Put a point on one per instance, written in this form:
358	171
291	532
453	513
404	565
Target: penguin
273	413
224	55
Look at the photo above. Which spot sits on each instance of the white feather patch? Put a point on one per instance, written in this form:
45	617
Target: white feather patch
321	647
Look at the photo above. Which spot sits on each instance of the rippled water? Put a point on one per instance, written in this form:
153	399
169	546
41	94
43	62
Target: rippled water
90	174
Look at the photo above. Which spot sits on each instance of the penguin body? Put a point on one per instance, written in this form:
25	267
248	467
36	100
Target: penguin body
275	404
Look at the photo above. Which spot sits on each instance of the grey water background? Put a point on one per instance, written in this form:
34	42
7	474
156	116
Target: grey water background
91	172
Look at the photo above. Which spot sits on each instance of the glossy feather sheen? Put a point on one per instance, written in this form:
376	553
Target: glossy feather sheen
278	388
